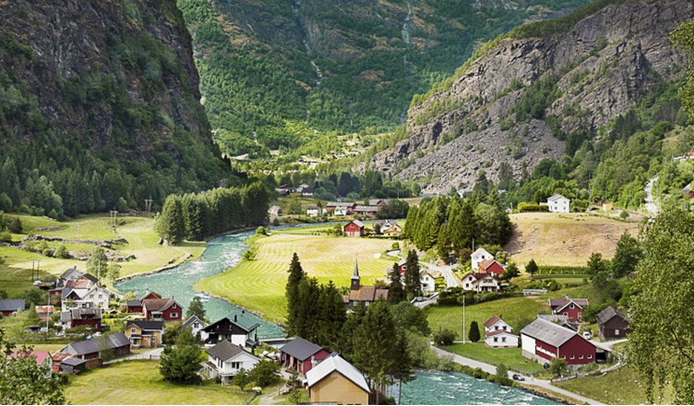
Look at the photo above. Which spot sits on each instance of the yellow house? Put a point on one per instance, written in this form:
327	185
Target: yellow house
337	381
393	231
144	333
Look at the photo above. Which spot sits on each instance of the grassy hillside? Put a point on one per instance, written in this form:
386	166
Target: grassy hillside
260	284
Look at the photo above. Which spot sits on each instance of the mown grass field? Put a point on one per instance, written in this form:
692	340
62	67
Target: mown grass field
260	284
564	239
511	357
139	383
516	311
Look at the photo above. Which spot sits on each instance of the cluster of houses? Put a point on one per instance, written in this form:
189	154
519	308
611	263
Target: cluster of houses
356	228
484	273
335	208
556	335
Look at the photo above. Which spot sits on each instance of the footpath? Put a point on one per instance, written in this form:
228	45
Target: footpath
529	381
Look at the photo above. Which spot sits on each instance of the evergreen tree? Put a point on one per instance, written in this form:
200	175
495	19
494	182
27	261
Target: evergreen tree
170	222
331	316
181	363
627	256
531	267
396	293
196	308
296	275
413	286
474	334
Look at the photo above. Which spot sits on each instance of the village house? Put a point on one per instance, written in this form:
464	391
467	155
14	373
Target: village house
301	355
91	297
196	326
89	317
144	333
8	307
69	364
427	280
492	266
391	230
225	360
478	256
480	282
354	228
239	329
41	357
72	274
44	312
499	334
543	341
307	192
336	381
612	324
166	309
365	210
572	308
284	190
340	208
558	204
274	211
314	211
362	294
135	306
90	349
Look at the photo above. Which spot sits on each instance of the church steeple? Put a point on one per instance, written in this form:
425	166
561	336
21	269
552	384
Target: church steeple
355	276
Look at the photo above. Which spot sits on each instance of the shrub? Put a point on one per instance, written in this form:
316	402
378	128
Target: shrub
444	337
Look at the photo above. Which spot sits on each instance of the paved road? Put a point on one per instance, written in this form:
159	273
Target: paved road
650	202
446	272
528	380
428	302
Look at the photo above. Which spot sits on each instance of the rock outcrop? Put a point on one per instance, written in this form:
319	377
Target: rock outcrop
601	66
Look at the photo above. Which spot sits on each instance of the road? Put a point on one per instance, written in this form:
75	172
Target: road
529	381
154	354
446	272
650	202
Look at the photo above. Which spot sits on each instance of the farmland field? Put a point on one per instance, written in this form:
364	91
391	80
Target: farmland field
511	357
564	239
259	284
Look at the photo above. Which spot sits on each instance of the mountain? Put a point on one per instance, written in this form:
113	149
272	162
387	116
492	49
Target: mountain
273	71
99	107
544	90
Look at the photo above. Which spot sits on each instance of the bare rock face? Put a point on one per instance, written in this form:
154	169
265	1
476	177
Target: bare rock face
601	66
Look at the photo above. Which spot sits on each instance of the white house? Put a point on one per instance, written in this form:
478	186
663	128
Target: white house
480	282
226	360
196	326
427	281
93	297
558	204
274	212
314	211
498	334
478	256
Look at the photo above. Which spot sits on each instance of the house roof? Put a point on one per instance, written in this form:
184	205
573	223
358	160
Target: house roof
497	332
485	264
340	204
147	324
608	313
191	320
402	262
356	222
478	275
556	197
300	349
548	332
147	293
275	208
79	314
90	277
40	355
558	304
480	251
78	284
365	208
224	350
241	320
45	309
335	363
96	345
313	208
492	321
73	361
11	305
133	303
368	293
70	273
158	305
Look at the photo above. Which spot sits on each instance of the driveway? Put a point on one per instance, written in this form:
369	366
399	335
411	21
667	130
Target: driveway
446	272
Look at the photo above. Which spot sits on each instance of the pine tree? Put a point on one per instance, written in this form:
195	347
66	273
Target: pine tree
296	275
196	308
331	316
474	334
413	287
170	223
531	267
396	293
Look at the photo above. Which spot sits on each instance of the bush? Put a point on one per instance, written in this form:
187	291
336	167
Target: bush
444	337
265	373
532	207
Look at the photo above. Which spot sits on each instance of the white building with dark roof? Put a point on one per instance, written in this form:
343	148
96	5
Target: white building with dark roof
226	360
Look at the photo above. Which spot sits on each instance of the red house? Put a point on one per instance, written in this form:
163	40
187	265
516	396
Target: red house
544	341
90	317
571	308
402	266
165	309
491	266
354	228
135	306
10	306
301	355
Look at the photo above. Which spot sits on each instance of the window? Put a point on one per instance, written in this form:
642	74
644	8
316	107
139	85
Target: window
496	327
503	339
580	357
496	339
235	365
616	331
174	315
132	330
573	357
504	328
101	296
590	356
571	306
566	314
174	305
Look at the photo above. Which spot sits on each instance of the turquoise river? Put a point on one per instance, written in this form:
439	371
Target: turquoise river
223	253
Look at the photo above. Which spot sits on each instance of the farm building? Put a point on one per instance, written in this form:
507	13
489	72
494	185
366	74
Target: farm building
10	306
491	266
302	355
543	341
478	256
336	381
572	308
314	211
612	324
354	229
89	349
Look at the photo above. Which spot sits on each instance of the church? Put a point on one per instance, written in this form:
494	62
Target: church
362	294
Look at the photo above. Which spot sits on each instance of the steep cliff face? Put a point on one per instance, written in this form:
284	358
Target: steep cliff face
529	98
96	86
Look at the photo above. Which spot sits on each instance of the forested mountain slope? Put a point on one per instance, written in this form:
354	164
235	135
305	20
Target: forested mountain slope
545	90
99	107
274	70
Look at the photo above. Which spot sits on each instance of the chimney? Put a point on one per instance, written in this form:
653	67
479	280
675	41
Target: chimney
235	318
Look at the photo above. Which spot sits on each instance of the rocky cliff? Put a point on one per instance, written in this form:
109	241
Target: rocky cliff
99	85
529	97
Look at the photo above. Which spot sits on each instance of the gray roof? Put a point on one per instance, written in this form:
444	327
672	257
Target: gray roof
365	208
224	350
548	332
12	305
357	222
192	319
242	320
147	324
340	204
133	303
71	273
96	345
336	363
73	361
556	197
608	313
77	314
300	349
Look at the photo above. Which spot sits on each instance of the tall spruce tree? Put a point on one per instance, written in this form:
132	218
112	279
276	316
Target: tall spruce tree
196	308
331	316
413	286
170	222
296	275
474	334
396	293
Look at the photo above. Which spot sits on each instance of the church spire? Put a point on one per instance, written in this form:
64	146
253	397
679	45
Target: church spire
355	276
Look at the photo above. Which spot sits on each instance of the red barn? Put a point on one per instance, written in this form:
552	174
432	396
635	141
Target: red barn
9	307
162	309
301	355
571	308
543	341
492	266
354	229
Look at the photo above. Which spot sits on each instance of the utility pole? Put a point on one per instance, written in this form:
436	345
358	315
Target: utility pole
463	317
113	218
148	205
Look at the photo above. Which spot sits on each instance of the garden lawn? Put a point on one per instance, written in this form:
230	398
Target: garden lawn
620	387
511	357
140	383
516	311
260	284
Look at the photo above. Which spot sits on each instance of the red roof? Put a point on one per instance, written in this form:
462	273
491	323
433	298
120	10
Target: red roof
40	355
157	305
78	284
565	300
492	321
